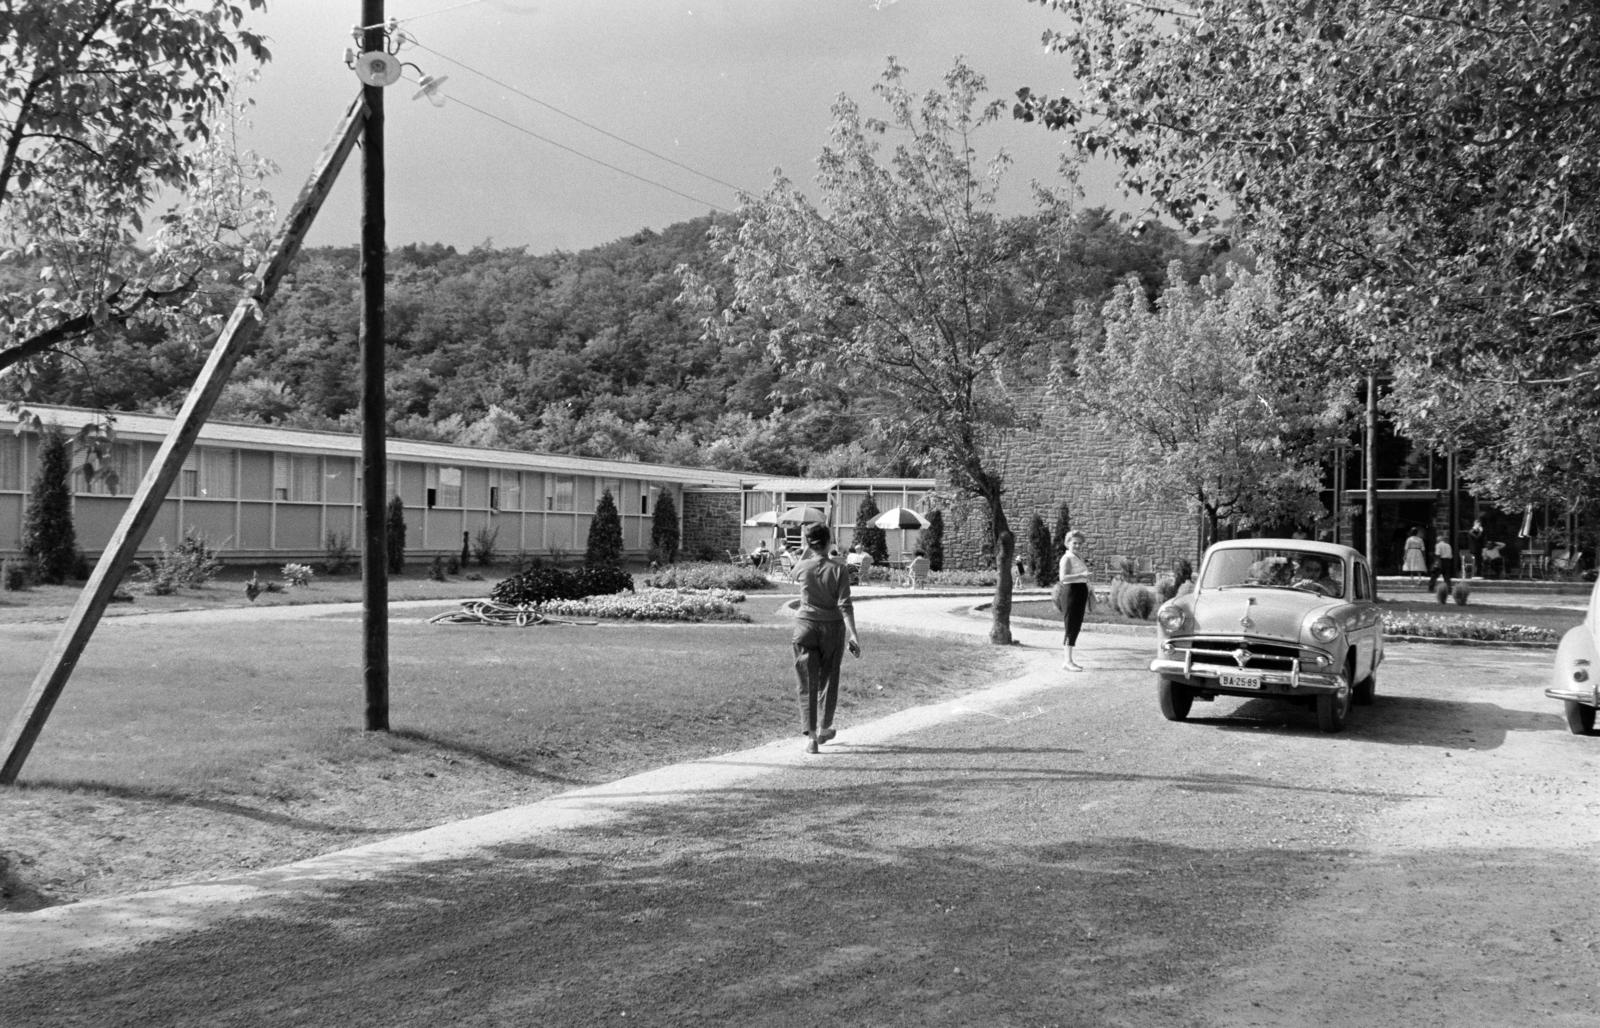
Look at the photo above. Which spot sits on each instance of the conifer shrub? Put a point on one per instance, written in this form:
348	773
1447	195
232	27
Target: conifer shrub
1042	551
933	540
604	547
49	542
394	535
664	538
869	535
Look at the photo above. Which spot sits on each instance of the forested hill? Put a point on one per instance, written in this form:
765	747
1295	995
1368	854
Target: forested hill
588	353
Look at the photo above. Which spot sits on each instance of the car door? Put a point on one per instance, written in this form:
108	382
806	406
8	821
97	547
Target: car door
1368	639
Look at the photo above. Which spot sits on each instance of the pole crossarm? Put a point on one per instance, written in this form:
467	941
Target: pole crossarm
124	543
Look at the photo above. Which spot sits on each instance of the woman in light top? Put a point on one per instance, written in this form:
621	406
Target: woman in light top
1073	574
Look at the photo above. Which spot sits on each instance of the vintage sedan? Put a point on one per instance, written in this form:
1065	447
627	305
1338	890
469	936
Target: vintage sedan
1286	618
1573	680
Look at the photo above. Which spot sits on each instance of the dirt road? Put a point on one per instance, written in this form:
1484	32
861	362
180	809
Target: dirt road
1048	852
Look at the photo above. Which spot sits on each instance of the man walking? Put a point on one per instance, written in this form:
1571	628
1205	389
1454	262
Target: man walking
1444	563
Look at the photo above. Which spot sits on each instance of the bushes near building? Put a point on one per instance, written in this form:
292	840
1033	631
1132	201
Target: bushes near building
1041	551
933	540
394	535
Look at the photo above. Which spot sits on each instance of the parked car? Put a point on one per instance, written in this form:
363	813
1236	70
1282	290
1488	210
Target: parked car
1572	680
1287	618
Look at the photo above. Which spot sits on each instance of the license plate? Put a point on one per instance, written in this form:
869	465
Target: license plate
1239	681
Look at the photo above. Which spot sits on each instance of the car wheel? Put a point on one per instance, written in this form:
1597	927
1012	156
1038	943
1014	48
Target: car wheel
1366	690
1332	707
1580	718
1176	698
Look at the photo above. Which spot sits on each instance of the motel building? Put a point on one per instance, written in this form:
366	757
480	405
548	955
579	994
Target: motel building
263	494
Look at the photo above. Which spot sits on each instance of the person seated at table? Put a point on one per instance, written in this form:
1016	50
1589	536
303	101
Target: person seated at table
1494	560
761	556
917	570
1311	574
860	563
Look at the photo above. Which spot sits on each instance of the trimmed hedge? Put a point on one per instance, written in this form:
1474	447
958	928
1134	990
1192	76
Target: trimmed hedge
543	584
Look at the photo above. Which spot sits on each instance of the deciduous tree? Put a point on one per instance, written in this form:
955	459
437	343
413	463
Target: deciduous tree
1202	420
905	285
105	104
1436	164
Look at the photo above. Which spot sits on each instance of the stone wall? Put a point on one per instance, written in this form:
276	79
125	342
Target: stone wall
711	523
1061	460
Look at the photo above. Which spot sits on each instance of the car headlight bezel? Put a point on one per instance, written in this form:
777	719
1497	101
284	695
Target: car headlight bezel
1171	618
1324	629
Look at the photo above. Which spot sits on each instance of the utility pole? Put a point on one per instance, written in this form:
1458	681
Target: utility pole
374	445
1371	459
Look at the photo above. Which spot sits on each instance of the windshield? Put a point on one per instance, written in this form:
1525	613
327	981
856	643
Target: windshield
1274	569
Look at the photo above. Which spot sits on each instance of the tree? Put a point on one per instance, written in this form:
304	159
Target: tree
1201	419
870	536
106	103
49	542
664	528
1433	164
394	532
905	288
605	535
1042	552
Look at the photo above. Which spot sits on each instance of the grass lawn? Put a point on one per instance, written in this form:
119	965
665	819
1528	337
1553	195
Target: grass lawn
228	706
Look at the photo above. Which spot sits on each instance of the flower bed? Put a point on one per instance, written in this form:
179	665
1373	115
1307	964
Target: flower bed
707	575
652	605
1436	626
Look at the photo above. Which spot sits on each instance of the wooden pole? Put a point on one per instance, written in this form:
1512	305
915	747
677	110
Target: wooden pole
1371	459
374	445
152	492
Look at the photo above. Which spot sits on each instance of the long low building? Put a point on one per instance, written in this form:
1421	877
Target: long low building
259	493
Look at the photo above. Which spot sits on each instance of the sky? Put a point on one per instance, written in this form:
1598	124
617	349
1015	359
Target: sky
551	105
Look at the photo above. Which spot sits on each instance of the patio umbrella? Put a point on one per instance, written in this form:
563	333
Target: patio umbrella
801	516
900	517
766	517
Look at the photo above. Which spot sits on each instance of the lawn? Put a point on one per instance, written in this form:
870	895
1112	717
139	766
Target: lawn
212	703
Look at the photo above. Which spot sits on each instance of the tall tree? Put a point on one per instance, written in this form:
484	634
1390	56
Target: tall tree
905	286
1435	163
106	103
1202	420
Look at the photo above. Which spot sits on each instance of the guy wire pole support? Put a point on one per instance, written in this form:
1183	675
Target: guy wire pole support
374	448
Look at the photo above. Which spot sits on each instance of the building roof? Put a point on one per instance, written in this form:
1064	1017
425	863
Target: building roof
794	485
270	437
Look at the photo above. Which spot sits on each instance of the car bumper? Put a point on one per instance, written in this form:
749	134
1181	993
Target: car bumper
1293	682
1586	697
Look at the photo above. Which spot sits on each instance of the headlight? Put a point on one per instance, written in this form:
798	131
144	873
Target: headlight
1325	629
1170	618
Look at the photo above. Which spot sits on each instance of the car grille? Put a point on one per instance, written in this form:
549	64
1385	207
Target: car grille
1240	655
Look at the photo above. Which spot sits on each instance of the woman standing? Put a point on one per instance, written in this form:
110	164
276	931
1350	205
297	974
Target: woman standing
825	626
1416	561
1073	595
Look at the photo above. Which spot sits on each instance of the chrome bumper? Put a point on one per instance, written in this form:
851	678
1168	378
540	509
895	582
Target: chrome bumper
1586	697
1292	680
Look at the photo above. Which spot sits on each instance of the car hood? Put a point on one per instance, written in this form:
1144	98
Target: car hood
1272	613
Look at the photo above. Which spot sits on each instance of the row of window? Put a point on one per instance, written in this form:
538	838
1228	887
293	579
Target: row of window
228	474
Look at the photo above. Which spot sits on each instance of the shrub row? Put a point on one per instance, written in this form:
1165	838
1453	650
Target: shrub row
707	575
653	605
543	584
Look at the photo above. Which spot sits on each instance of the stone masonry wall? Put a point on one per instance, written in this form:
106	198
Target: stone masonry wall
1061	460
711	523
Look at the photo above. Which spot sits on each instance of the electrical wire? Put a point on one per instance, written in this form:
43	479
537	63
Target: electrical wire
415	17
573	117
580	154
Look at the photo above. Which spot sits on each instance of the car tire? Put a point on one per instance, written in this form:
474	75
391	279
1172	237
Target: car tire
1580	718
1175	698
1366	690
1333	707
